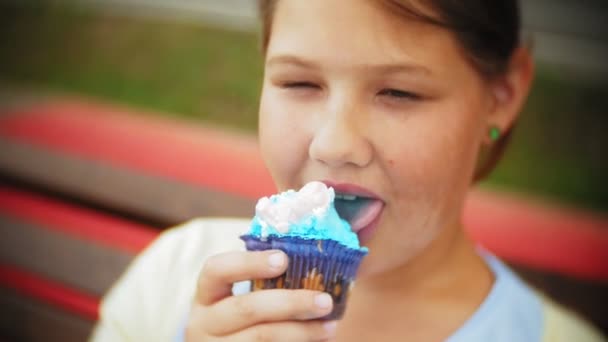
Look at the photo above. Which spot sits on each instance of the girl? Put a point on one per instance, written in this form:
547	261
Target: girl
393	99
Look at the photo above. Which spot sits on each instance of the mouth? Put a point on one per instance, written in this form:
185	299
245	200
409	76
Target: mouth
358	206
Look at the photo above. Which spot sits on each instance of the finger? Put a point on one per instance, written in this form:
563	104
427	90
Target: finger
220	271
240	312
287	331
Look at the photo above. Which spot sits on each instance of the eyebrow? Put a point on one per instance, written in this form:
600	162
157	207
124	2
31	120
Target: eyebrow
376	68
289	59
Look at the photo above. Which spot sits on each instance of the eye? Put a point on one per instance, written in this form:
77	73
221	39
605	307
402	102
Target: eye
299	84
399	94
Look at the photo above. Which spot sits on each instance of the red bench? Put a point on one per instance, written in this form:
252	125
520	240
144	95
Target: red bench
85	186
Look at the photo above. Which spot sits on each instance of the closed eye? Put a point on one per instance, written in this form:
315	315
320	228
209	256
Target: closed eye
399	94
299	85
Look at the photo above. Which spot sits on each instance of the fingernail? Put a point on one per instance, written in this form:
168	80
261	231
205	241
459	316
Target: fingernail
323	301
330	327
276	260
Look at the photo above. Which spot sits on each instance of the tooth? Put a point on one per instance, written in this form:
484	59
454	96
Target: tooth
347	197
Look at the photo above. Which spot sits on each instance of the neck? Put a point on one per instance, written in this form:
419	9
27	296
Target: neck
440	287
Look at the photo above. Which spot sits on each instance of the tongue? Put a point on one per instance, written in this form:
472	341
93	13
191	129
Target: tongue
359	213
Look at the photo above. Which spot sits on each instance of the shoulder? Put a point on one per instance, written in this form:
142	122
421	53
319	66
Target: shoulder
154	294
563	325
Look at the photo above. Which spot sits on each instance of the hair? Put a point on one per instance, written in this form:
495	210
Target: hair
488	33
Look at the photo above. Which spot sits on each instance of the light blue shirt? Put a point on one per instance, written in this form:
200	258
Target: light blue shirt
510	312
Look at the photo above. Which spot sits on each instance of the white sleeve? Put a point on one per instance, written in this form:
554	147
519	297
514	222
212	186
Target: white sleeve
142	296
150	302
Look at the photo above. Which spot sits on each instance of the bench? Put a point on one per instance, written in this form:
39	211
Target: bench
85	186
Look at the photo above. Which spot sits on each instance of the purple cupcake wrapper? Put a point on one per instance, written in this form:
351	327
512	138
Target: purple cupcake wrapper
323	265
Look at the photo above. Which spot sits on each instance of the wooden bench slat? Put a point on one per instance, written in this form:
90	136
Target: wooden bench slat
48	291
25	319
183	151
78	221
61	257
561	240
161	201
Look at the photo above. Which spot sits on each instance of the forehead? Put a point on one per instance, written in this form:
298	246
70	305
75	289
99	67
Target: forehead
346	32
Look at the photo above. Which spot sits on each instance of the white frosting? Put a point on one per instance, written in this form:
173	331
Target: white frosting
292	207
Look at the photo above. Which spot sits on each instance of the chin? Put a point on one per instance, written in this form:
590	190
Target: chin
387	257
372	266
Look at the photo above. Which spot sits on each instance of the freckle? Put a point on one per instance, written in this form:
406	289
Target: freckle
391	162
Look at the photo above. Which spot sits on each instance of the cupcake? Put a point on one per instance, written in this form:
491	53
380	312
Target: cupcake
324	253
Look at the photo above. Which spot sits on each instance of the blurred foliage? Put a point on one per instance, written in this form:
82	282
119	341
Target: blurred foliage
559	144
168	66
558	150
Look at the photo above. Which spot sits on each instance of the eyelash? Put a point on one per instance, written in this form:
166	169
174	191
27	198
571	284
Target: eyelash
393	93
399	94
299	85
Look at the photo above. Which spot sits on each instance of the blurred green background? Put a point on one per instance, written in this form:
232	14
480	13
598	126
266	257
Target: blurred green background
183	68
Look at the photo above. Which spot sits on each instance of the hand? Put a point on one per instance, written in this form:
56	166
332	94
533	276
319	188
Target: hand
267	315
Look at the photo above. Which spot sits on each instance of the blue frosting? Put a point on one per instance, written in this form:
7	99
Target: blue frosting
329	226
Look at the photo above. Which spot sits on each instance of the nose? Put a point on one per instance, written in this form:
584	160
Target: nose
340	139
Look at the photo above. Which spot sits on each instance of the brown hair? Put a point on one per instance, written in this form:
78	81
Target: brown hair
488	33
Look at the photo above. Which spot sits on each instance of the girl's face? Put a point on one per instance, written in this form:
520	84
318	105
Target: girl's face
379	106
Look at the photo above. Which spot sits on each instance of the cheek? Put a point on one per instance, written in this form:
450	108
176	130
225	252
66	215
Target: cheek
426	164
283	141
434	155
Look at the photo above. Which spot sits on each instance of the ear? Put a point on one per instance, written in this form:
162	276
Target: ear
510	91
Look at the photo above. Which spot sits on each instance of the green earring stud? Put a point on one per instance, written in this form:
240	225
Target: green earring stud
494	133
